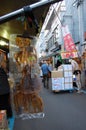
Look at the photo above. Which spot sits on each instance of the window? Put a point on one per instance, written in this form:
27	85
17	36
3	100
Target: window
55	34
50	42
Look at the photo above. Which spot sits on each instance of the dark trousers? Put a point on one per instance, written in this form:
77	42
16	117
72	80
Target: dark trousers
46	80
5	104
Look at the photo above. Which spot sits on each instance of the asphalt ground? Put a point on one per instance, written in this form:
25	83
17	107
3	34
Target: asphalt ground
63	111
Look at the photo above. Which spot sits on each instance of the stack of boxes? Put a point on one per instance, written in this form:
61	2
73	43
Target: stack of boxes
3	120
68	77
62	79
57	80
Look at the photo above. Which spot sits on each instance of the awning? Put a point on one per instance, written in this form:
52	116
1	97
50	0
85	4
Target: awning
50	55
56	48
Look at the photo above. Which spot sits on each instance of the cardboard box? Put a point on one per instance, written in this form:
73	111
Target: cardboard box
57	83
57	74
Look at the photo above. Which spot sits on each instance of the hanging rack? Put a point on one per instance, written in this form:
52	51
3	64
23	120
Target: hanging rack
25	10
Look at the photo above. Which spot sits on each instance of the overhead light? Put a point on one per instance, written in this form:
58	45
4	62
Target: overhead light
5	34
3	43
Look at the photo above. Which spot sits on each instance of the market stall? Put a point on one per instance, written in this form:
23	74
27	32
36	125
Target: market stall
84	69
4	112
24	70
62	78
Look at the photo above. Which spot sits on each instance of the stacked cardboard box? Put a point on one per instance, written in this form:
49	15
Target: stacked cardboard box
62	79
3	120
68	76
57	80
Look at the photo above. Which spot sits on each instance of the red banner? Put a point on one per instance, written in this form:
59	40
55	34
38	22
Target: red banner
68	41
72	54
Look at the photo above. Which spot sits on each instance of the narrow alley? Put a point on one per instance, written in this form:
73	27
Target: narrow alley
63	111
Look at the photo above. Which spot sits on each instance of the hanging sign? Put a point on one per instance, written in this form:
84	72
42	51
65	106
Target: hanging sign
68	41
66	55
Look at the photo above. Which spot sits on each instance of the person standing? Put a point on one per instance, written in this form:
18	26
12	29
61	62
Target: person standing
45	71
77	73
5	102
50	68
41	75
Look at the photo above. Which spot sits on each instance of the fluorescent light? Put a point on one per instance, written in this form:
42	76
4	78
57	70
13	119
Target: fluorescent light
3	43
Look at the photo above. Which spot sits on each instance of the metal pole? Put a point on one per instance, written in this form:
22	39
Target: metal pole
81	22
24	10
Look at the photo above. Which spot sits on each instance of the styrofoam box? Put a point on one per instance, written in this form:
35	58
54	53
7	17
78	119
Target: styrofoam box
68	86
68	79
58	87
67	67
57	83
68	74
59	80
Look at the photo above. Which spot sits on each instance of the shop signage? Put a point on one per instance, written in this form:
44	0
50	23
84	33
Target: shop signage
66	55
68	41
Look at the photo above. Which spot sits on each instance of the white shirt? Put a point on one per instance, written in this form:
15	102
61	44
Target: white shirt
75	65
